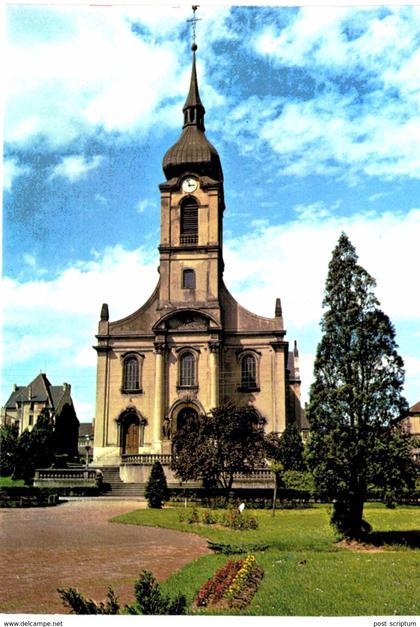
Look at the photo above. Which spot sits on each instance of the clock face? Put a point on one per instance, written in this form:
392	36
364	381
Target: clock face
189	184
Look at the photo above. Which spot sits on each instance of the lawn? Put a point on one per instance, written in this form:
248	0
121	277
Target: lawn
7	482
306	573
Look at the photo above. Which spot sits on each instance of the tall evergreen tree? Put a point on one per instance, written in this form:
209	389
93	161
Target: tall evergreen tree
156	491
286	448
291	447
356	398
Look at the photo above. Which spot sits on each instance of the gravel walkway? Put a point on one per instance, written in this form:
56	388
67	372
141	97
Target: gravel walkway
73	544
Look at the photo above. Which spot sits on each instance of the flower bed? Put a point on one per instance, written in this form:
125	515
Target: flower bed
233	585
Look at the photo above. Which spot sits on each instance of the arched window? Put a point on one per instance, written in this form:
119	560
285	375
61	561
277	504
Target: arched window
249	372
189	221
188	279
131	378
187	370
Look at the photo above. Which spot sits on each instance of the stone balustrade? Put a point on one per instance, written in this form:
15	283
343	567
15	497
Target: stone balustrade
67	477
147	458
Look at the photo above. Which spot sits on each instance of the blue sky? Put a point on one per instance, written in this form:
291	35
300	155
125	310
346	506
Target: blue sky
314	112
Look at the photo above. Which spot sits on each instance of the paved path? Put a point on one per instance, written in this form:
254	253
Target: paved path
73	544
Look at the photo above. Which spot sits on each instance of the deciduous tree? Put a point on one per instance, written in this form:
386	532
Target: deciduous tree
8	446
35	449
215	446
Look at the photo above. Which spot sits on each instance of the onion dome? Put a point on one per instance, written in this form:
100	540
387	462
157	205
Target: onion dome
193	152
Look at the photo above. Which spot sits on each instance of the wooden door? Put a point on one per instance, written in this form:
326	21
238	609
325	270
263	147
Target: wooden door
131	437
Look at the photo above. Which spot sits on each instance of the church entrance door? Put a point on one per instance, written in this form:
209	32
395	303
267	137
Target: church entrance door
130	439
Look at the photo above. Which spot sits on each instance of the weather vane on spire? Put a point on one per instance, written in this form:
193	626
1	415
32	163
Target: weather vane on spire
194	21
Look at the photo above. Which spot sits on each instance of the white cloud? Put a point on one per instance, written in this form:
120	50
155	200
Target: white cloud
76	167
30	260
102	200
84	411
306	363
298	254
412	366
144	204
372	125
51	324
315	210
11	170
76	71
378	196
35	344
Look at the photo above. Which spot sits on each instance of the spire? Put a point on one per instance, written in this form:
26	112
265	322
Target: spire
193	108
278	311
193	152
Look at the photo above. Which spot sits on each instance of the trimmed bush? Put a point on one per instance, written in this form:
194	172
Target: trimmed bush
156	491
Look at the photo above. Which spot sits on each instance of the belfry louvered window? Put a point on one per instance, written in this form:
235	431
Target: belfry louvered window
131	374
249	372
187	370
189	222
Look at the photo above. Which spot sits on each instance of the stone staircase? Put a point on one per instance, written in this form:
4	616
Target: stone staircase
112	485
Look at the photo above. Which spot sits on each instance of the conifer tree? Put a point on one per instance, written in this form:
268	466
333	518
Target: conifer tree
356	399
286	448
156	491
291	447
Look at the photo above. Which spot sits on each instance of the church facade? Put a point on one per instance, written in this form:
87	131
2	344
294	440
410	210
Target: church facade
191	346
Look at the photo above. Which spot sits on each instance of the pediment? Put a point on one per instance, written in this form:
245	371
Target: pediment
185	321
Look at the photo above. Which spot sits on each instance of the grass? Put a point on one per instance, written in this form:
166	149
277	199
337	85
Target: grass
7	482
306	574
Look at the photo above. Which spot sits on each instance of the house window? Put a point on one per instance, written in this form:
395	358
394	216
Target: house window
188	279
249	372
31	420
131	378
187	370
189	222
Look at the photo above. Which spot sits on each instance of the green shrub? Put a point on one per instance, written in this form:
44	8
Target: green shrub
234	549
77	603
208	517
190	516
298	480
235	520
156	491
149	600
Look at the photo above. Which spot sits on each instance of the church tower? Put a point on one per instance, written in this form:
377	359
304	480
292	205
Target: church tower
191	346
191	263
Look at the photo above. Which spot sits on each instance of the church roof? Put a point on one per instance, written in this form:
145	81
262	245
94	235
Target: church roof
415	409
193	152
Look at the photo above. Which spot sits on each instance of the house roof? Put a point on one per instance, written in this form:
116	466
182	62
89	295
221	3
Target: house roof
415	409
85	428
39	390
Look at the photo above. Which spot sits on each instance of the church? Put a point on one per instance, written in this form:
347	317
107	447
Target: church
191	346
